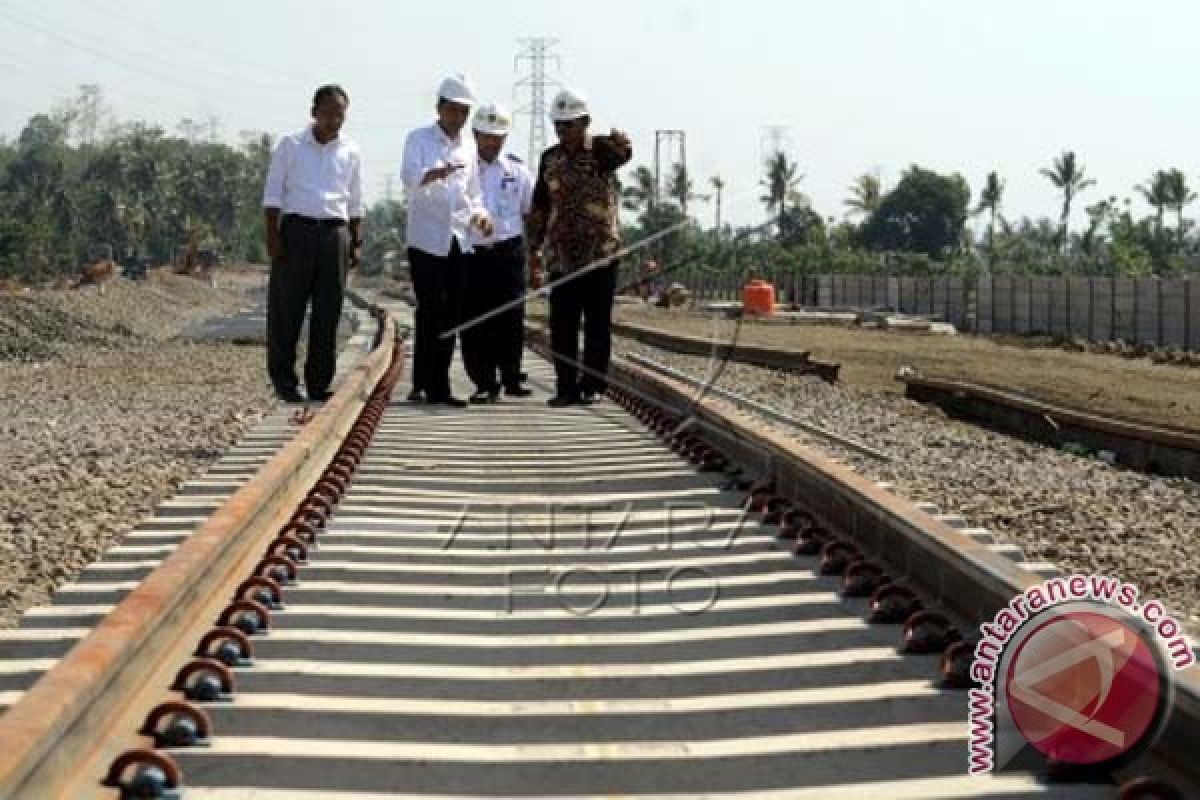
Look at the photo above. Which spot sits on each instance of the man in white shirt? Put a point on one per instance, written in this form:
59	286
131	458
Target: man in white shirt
441	177
313	204
493	343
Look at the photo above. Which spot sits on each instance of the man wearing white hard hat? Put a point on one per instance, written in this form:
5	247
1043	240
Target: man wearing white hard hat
493	343
575	231
440	173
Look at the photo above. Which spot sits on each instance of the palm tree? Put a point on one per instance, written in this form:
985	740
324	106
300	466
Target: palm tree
1067	175
679	188
989	200
1179	197
780	183
1098	215
718	184
1158	194
866	195
640	195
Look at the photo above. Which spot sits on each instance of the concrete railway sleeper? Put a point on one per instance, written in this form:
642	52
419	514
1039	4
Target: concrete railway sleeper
369	619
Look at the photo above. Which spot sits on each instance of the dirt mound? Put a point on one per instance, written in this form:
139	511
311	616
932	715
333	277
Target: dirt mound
44	325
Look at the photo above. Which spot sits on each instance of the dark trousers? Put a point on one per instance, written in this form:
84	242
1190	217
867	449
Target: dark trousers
313	268
438	285
588	297
495	278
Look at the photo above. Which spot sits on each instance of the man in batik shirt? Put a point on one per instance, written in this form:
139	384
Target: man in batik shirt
574	236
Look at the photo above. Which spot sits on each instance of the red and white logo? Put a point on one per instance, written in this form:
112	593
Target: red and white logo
1084	687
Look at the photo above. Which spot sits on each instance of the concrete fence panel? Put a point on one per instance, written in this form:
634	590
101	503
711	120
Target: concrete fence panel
1146	312
1174	312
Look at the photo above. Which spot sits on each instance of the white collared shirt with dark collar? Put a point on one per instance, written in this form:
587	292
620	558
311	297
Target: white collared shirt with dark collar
440	211
508	195
322	181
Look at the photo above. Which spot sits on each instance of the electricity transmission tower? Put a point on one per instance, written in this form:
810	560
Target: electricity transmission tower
673	144
538	51
775	139
90	111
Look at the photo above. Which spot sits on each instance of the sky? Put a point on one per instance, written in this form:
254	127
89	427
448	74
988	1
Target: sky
858	85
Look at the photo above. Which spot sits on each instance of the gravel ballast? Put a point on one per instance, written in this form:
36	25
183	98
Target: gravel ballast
104	412
1079	513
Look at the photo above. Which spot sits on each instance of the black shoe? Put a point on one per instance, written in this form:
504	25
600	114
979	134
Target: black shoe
289	395
562	401
416	396
587	398
320	396
485	397
517	391
448	400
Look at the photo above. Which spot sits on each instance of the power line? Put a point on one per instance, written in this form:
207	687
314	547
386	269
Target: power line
111	10
175	80
12	63
166	70
18	63
213	69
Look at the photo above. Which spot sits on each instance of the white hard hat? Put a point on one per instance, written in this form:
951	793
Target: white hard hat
492	119
457	89
568	105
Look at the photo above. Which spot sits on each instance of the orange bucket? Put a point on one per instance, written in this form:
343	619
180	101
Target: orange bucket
758	298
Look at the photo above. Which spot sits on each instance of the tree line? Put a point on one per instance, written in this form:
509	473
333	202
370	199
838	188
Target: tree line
71	190
927	223
75	181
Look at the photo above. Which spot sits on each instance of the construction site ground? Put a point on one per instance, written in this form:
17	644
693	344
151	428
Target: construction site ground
1106	384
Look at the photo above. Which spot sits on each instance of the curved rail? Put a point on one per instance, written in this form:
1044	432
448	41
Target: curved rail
64	721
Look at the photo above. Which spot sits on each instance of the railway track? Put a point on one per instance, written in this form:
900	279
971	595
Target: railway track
410	602
1156	449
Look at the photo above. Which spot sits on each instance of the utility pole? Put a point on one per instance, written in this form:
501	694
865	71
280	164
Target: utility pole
538	51
718	184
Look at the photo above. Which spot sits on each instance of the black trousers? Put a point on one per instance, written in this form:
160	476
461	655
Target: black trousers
313	268
495	278
438	282
588	297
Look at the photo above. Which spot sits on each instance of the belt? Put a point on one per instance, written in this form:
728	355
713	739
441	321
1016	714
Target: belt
513	241
329	222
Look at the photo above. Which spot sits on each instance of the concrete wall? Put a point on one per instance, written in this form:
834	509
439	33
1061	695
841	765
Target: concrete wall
1156	311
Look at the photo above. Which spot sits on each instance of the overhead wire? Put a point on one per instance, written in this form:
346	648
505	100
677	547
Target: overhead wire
253	67
279	117
113	10
14	62
175	80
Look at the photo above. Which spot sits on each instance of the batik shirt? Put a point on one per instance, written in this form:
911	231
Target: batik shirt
575	217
